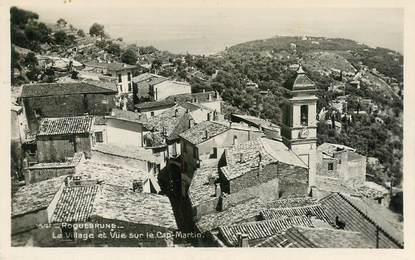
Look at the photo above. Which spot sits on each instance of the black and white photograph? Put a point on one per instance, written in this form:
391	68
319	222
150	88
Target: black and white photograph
218	125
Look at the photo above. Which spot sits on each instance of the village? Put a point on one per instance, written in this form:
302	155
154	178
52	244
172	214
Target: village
114	154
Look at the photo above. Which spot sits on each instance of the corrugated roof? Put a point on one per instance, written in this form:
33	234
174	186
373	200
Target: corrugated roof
65	125
54	89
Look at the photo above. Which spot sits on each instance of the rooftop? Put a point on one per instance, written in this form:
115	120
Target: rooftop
302	82
54	89
330	149
261	150
65	125
197	134
69	162
36	196
260	230
108	173
234	214
191	97
200	190
118	203
362	217
110	66
143	77
171	122
155	104
255	121
292	202
128	116
127	151
317	211
75	204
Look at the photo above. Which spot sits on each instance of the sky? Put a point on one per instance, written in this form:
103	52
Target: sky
211	26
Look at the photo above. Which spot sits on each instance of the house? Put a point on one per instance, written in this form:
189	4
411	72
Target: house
142	85
131	157
259	161
154	108
79	211
359	215
207	140
121	71
270	130
123	128
161	89
251	85
337	125
339	165
62	137
208	99
65	100
48	170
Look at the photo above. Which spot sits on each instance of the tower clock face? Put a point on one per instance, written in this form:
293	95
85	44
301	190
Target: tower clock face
303	133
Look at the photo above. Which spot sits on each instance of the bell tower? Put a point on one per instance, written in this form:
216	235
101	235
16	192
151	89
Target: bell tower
299	129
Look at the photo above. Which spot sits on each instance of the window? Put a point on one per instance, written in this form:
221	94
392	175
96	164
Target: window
151	113
195	156
129	76
119	78
98	137
304	115
330	166
129	87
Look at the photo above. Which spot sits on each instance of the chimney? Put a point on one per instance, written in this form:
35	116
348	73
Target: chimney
203	90
206	134
218	191
76	180
138	185
211	179
187	111
242	240
67	181
210	97
241	158
191	122
235	140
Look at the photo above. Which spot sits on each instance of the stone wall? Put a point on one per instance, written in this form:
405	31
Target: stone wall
67	105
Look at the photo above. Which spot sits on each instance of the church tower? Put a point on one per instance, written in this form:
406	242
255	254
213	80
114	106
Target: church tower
299	128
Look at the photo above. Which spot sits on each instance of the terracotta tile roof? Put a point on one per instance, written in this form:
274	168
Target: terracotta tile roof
75	204
326	238
170	123
200	191
316	211
269	150
197	134
117	203
330	149
144	85
280	240
190	97
234	214
360	217
110	173
110	66
54	89
292	202
127	151
128	116
155	104
65	125
261	229
144	76
254	121
36	196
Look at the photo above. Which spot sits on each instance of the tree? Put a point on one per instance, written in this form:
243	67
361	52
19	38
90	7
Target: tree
81	33
114	48
97	30
61	38
30	60
129	56
21	17
61	22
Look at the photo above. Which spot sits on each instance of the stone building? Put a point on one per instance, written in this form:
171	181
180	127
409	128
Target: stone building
66	99
208	99
121	71
59	138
